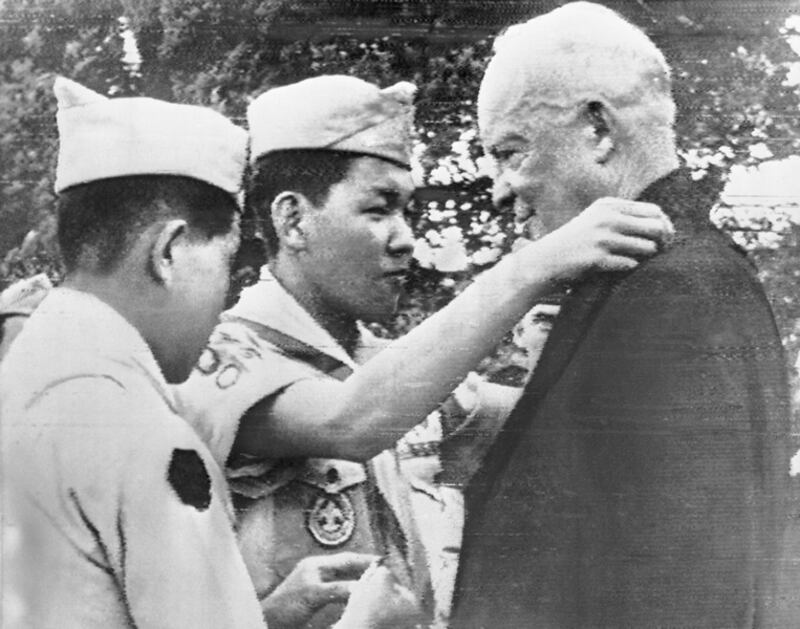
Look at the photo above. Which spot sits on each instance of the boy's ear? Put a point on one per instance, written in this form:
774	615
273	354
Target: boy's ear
289	210
162	252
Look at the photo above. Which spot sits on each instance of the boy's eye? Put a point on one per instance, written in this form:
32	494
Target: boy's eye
503	155
411	211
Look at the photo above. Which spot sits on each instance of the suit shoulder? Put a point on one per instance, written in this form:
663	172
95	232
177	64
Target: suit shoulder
707	266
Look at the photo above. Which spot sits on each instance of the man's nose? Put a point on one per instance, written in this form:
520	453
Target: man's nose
401	241
503	195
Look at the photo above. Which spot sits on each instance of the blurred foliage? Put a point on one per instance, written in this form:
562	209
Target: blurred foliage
736	107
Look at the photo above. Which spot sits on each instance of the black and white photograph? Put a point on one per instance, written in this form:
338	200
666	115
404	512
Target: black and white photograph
400	314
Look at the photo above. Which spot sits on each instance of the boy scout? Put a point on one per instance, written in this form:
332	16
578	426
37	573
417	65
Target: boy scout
292	392
115	513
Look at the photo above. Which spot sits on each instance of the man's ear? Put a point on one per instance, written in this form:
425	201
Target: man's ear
162	252
597	116
289	209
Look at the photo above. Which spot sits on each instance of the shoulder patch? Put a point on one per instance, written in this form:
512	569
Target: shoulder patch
189	478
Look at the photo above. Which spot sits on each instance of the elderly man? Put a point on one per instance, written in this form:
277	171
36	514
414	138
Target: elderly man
641	479
115	513
292	391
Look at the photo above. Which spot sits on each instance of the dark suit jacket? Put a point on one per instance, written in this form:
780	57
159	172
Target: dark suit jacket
641	480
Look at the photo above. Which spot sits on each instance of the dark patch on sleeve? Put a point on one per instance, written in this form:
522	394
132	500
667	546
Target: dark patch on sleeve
188	477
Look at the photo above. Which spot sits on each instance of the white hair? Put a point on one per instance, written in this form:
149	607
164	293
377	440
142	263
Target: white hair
580	52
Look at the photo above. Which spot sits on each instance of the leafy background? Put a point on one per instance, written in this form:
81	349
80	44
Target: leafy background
735	77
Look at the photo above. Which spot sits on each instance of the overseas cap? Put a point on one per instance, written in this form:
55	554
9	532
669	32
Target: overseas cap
338	113
101	138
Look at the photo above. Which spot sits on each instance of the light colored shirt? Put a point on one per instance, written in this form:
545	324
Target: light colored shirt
116	515
240	368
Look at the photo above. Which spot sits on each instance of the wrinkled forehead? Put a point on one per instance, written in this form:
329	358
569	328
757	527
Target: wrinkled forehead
513	106
506	106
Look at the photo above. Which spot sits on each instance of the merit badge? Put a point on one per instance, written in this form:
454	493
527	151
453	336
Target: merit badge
331	519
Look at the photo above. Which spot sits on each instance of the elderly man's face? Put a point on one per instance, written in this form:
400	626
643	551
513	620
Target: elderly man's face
544	166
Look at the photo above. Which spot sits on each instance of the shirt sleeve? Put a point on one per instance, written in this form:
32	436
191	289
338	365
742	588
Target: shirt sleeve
236	370
141	498
180	564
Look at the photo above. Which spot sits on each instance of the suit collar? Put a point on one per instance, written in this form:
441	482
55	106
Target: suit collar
685	201
688	203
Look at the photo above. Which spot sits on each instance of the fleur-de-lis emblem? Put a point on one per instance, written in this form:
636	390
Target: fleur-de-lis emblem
331	519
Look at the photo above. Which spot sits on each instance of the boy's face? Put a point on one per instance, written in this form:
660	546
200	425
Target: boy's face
359	243
202	276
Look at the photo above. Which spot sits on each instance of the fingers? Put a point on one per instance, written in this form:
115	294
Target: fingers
632	208
636	218
377	601
652	228
336	591
313	583
610	235
617	263
632	246
623	253
345	565
375	578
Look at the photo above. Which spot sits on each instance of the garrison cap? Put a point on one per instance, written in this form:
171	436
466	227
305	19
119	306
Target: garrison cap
336	113
101	137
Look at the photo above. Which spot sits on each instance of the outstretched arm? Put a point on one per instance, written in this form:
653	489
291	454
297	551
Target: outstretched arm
397	389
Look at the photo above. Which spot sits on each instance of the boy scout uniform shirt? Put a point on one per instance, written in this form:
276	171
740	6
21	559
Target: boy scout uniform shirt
301	507
116	515
241	367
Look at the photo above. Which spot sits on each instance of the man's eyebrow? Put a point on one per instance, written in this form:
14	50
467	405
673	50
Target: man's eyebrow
507	142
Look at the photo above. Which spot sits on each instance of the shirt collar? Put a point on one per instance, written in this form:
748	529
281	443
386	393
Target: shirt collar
267	302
